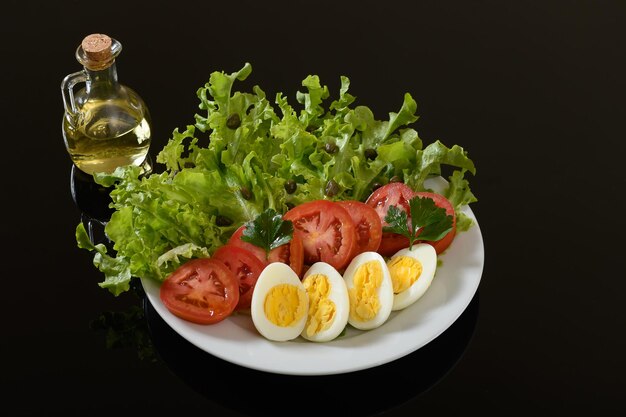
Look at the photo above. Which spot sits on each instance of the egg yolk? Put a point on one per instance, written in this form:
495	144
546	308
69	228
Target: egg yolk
321	308
285	305
364	302
404	271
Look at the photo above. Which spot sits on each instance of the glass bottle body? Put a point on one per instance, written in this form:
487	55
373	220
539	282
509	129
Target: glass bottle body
106	124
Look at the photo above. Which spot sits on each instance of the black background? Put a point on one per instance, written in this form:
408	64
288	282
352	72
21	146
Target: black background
534	91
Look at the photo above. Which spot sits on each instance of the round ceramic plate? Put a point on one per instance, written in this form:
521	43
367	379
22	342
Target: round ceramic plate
236	340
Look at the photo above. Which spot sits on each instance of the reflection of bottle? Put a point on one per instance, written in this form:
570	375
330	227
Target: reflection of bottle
105	124
92	199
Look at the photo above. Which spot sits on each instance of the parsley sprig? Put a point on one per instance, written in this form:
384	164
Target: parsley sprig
268	231
431	221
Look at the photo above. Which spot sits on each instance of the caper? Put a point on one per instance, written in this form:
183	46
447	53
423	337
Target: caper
370	154
223	220
233	121
330	147
332	188
290	186
245	193
376	186
289	205
395	178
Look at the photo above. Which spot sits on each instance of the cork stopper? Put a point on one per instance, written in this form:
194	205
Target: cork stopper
97	47
97	51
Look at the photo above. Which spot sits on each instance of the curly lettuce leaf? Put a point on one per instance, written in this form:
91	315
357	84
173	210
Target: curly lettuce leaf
233	162
116	269
459	195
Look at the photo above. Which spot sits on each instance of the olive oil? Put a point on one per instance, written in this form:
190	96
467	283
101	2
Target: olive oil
108	134
105	124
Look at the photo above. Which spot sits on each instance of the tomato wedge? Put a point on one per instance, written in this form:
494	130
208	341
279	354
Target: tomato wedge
327	232
290	254
392	194
367	223
440	201
246	266
202	291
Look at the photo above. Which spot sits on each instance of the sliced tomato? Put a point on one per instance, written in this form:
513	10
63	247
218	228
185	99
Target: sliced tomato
202	291
327	232
440	201
390	243
393	194
291	253
246	266
367	223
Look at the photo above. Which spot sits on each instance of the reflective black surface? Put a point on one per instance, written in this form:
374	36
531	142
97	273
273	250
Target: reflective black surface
534	91
416	373
92	199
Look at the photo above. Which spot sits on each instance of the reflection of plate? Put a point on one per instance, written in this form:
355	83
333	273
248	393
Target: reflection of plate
411	375
236	340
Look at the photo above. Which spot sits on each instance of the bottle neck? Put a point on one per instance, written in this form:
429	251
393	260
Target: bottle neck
101	80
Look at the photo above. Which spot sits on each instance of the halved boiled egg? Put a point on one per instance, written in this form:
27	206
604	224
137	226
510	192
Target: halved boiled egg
329	304
369	289
411	270
279	303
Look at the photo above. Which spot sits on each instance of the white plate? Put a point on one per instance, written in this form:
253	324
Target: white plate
236	340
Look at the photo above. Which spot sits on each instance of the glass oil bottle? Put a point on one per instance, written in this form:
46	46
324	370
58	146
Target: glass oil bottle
105	124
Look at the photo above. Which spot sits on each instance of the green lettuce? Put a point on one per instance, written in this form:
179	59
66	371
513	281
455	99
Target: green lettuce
233	162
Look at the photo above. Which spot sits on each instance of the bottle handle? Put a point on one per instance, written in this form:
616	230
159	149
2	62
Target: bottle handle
67	89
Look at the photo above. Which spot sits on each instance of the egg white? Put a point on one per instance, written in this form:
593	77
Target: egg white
384	292
338	295
274	274
427	256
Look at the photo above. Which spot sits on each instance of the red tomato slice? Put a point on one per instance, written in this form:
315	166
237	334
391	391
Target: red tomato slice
246	266
390	243
393	194
367	223
440	201
290	254
327	232
202	291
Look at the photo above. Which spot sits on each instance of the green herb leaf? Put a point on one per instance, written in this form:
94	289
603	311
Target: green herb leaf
398	222
268	231
431	221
